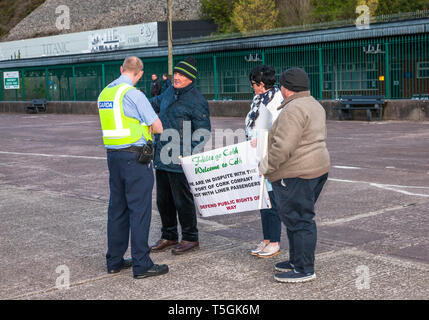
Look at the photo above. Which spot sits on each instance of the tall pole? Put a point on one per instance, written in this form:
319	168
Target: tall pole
170	39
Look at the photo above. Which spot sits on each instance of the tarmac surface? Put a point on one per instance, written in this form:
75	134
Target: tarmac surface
372	217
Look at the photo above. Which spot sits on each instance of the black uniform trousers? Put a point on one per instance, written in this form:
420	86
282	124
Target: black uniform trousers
130	209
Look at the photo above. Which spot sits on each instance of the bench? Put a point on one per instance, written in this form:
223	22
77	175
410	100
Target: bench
36	106
423	96
368	103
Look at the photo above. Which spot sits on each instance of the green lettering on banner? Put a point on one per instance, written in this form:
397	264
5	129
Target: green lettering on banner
234	162
201	159
230	152
206	169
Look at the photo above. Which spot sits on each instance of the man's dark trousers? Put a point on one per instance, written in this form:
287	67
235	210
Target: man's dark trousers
130	209
296	199
174	198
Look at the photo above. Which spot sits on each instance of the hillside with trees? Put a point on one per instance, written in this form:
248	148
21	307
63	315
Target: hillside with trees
249	15
23	19
12	12
34	18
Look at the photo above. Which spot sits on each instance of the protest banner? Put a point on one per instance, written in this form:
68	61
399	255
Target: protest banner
225	180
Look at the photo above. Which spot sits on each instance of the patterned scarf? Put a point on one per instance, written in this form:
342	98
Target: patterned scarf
265	99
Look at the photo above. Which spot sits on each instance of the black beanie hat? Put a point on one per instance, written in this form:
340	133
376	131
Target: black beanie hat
295	79
187	68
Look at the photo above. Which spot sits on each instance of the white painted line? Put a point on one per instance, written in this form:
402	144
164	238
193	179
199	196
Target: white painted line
35	117
346	167
348	181
386	187
360	216
391	260
59	124
390	187
52	155
373	183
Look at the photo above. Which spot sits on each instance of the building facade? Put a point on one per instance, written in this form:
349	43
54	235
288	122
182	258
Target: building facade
389	59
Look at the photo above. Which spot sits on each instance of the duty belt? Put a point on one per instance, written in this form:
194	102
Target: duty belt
129	149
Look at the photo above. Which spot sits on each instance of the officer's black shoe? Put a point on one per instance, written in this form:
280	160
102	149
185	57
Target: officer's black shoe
125	265
156	270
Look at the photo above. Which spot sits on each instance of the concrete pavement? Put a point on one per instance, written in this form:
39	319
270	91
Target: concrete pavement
373	230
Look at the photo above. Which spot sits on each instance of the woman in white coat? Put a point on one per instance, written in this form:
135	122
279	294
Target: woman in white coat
263	113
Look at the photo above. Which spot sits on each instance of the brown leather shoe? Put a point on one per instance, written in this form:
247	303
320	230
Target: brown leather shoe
162	245
185	246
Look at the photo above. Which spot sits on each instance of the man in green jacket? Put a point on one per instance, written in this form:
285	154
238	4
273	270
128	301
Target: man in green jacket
297	163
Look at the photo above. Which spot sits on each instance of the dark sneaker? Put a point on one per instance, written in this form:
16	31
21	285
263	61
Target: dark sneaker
284	266
294	277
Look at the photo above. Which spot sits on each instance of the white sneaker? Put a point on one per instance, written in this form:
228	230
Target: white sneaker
258	249
271	250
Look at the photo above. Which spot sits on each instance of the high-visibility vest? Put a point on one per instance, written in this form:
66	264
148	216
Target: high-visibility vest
118	129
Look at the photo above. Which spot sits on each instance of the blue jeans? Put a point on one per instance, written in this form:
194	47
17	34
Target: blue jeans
271	223
130	210
295	201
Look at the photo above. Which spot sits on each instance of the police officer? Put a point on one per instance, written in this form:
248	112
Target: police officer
127	121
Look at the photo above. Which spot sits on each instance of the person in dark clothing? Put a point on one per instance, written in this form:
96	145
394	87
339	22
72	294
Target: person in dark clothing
155	86
166	83
184	113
